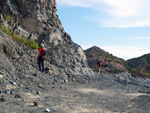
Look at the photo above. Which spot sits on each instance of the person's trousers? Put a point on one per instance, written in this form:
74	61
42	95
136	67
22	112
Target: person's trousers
41	63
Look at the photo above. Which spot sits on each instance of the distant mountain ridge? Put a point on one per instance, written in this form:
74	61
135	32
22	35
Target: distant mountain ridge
111	63
136	66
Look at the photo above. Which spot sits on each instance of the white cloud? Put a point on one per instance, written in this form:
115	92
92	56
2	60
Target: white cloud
118	13
140	38
125	52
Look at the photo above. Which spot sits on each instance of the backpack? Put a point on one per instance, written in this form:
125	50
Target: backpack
101	64
43	52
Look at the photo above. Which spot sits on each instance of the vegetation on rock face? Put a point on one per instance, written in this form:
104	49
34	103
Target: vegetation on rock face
28	42
7	31
31	43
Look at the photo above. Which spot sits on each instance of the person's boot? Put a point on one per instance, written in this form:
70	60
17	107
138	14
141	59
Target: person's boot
42	70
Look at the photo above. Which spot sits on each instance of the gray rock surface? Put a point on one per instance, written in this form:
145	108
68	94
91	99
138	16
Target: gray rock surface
38	20
18	64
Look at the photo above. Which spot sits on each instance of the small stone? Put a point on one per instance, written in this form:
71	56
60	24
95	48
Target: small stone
55	79
40	86
1	76
2	99
140	91
99	101
0	91
50	72
11	92
66	81
14	83
35	75
1	18
10	87
148	92
48	110
7	92
20	85
47	69
38	93
35	103
17	96
73	79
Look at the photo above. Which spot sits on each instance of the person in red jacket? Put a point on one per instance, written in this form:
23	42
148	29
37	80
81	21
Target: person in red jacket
41	57
99	65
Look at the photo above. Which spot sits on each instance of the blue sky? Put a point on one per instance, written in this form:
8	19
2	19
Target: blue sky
120	27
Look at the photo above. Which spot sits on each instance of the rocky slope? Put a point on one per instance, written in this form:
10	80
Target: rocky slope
111	63
140	66
38	20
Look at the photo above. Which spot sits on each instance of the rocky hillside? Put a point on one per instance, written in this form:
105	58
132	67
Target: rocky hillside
140	66
37	20
111	63
136	66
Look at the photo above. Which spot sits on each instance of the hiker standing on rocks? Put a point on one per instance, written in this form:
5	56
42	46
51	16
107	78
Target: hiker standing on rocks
41	57
99	65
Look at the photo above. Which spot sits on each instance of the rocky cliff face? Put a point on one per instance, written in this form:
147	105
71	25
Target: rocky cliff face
38	20
35	16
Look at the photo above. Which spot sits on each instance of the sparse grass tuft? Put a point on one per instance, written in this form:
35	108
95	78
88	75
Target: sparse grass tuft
7	31
30	43
16	37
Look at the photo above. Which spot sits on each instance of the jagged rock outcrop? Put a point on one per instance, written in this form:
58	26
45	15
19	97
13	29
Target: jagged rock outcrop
35	16
38	19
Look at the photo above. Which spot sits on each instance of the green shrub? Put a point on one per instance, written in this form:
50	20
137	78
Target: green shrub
22	40
17	38
32	44
7	31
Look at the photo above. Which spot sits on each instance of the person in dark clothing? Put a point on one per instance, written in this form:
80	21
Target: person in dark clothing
41	57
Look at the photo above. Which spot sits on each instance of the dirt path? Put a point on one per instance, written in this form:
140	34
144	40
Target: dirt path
106	96
75	98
